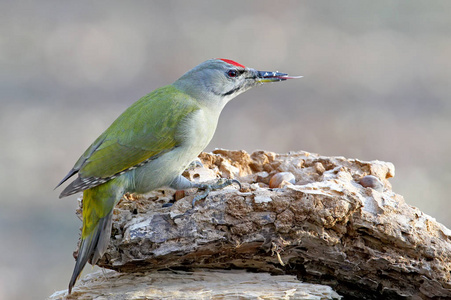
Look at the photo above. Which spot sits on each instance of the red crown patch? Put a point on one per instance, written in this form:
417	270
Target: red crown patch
229	61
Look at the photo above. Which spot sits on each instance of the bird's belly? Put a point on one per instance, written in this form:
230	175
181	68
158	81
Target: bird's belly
163	170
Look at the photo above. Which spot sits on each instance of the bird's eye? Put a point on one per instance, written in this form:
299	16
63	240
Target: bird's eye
232	73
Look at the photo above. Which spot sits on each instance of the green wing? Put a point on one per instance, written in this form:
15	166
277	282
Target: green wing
144	131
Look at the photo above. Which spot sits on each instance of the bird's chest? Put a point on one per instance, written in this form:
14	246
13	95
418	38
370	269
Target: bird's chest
197	131
193	135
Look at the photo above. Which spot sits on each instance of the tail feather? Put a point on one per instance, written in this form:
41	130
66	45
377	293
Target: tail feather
92	247
98	204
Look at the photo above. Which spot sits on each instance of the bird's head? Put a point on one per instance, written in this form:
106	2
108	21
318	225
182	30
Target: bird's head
217	81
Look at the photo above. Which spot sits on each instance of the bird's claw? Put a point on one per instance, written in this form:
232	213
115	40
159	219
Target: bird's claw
221	183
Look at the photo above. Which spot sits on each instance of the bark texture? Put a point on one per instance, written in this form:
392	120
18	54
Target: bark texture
326	220
200	284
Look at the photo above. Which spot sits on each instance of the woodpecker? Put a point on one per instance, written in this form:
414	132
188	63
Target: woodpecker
151	143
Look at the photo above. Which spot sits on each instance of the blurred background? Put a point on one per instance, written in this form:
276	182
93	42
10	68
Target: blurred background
377	85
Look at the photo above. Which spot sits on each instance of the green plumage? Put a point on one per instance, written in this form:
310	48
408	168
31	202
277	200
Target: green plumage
151	143
144	131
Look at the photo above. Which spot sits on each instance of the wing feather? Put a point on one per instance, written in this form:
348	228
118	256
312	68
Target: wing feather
143	132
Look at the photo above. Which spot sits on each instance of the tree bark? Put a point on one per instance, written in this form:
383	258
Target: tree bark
199	284
337	223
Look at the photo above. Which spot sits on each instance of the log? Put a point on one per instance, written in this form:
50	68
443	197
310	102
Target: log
199	284
327	220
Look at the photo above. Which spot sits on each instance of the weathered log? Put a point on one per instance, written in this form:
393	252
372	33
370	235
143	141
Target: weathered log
200	284
339	224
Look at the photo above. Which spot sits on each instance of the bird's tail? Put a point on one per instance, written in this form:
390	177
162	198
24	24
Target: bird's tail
97	218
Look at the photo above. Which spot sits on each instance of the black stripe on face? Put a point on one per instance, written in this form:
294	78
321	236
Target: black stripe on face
231	91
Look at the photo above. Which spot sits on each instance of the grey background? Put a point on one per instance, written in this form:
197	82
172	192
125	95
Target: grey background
376	86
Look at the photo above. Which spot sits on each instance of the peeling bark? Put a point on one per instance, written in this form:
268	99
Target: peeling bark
334	226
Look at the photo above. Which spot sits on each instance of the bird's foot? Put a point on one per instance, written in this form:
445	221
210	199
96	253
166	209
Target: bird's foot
221	183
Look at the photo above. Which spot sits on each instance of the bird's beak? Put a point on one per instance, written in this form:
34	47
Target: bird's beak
265	76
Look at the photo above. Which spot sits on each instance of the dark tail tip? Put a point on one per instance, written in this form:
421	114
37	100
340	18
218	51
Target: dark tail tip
92	247
77	271
84	252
